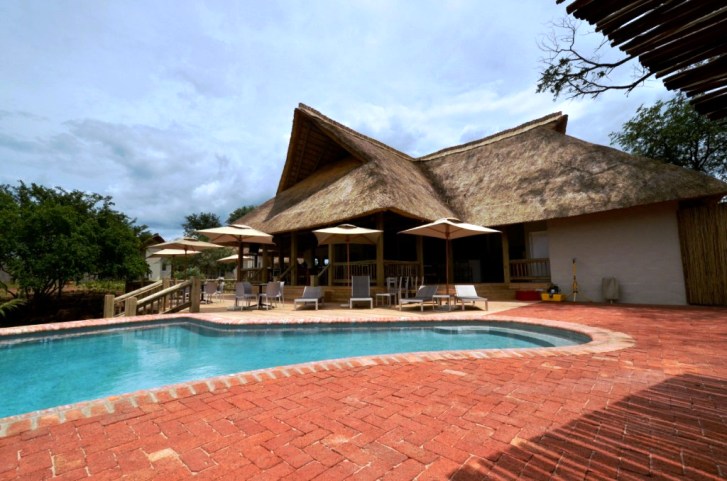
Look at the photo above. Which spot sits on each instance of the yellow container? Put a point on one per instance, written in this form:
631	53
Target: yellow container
554	297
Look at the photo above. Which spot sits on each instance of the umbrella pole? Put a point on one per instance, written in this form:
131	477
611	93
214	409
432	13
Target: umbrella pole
239	262
348	263
446	263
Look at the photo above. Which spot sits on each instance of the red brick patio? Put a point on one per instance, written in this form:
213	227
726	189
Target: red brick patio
657	409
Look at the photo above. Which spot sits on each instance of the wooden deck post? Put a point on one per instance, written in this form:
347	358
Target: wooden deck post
130	307
195	295
166	282
108	306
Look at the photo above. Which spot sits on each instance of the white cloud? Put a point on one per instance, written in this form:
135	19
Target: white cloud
175	108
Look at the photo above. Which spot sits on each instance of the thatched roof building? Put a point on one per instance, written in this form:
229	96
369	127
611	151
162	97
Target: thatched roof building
532	172
554	197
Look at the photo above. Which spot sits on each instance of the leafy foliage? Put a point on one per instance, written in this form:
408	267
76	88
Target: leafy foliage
195	222
7	306
674	132
239	212
52	236
571	72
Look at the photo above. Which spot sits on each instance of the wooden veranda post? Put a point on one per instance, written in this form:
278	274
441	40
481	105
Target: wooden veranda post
505	257
420	257
266	263
331	260
380	274
294	258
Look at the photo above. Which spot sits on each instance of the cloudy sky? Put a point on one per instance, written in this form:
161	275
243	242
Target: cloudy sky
179	107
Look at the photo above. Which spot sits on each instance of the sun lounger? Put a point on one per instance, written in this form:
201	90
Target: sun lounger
361	291
467	293
311	295
424	294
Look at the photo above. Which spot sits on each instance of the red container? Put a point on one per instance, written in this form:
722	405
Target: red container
527	295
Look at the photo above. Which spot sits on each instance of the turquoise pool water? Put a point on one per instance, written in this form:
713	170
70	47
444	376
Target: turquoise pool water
44	371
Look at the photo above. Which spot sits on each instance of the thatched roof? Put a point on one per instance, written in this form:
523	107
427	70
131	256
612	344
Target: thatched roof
333	174
541	174
529	173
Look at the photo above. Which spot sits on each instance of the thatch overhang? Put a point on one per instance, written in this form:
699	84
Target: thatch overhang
539	174
532	172
333	174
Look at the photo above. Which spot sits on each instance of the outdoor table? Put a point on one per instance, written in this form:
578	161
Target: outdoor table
439	300
386	295
260	287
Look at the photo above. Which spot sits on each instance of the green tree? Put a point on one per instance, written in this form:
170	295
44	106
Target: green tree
674	132
195	222
52	236
239	212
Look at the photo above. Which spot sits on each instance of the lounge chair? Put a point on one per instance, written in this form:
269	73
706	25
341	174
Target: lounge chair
271	295
467	293
424	294
361	291
243	292
311	295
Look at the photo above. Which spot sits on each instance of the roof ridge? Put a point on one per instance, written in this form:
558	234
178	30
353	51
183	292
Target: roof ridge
502	135
310	110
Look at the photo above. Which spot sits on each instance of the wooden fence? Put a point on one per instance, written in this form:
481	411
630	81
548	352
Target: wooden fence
703	236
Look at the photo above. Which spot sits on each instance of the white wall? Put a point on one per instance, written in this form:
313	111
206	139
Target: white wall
638	246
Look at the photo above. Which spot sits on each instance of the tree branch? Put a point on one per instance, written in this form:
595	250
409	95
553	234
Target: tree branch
571	73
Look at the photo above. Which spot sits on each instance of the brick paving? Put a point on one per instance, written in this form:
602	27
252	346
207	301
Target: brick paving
656	408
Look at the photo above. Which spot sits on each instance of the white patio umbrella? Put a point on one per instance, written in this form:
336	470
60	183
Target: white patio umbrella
449	228
237	235
347	234
172	253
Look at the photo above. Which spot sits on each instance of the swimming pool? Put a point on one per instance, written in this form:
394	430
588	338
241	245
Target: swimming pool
46	370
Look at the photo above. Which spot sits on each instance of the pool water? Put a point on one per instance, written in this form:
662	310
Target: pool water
40	372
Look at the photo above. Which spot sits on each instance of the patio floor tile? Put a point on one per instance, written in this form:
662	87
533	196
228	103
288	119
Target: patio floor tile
656	408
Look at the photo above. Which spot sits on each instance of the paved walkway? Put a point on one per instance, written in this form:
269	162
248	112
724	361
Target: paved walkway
657	409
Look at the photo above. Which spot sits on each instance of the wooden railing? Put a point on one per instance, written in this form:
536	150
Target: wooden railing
533	270
253	275
368	268
323	272
114	306
185	295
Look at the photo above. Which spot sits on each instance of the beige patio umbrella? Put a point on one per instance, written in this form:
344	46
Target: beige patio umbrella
237	235
449	228
347	234
172	253
233	258
188	245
